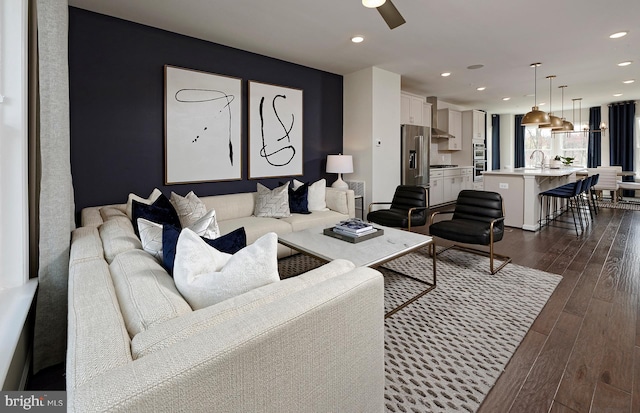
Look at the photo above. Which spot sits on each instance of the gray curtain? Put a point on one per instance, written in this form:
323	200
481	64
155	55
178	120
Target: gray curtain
55	207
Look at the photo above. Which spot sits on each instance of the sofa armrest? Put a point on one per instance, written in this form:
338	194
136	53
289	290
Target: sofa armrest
338	198
319	349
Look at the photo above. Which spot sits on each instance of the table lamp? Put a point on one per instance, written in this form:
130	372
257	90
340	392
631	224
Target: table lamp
340	164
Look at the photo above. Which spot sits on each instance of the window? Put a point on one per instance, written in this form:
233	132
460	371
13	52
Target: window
574	145
537	139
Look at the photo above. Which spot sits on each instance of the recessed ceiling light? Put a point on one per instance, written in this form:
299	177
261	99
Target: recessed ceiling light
473	67
618	35
617	94
445	74
541	104
481	88
506	98
628	81
373	3
627	63
357	39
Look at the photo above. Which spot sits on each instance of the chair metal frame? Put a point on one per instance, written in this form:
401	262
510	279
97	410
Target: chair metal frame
491	254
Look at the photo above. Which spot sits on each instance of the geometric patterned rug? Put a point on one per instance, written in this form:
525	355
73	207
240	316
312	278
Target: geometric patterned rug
623	204
445	351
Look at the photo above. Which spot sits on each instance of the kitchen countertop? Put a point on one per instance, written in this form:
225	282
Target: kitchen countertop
452	167
563	171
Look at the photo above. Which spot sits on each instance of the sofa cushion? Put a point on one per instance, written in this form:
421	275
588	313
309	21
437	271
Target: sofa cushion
189	208
206	276
113	212
256	227
176	330
149	200
146	293
229	243
316	219
231	206
85	245
117	237
338	201
272	203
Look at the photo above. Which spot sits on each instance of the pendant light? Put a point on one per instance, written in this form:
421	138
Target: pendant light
372	4
535	117
566	125
579	113
555	123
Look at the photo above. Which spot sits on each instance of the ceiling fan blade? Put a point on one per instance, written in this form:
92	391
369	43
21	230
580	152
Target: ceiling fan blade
391	15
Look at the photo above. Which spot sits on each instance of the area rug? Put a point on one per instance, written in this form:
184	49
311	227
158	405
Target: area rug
445	351
633	205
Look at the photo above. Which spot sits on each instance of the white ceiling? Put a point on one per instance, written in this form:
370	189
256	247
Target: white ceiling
569	37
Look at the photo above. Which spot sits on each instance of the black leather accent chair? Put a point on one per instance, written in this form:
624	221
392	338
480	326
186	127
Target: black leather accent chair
408	208
478	218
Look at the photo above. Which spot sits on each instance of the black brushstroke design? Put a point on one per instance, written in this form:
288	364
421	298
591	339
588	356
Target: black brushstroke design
263	150
227	106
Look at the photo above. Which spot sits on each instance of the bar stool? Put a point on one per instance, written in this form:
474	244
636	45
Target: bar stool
568	192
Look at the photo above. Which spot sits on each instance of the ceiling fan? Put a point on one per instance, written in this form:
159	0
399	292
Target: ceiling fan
387	10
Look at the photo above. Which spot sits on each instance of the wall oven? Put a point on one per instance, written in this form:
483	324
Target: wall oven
479	166
479	151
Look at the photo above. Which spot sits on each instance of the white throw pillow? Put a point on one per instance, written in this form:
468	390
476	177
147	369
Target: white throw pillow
189	208
316	196
150	200
205	276
151	232
272	203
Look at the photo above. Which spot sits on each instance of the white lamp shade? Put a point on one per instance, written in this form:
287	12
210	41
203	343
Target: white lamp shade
373	3
339	164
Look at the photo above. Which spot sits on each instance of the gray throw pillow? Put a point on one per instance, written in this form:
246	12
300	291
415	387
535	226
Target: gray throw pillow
272	203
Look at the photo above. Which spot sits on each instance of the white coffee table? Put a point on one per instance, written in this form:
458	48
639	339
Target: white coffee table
373	252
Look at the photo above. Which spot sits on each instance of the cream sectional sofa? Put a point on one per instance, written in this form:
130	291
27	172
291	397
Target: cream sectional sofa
308	343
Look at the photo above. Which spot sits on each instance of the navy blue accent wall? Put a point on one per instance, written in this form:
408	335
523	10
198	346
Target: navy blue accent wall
116	75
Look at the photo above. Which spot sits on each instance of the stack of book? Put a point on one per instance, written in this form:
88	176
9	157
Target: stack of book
354	227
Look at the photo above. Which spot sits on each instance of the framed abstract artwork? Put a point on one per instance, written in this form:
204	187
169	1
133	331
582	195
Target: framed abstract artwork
275	131
203	115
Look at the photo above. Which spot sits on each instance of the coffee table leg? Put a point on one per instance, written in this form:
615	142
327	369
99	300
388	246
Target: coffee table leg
431	286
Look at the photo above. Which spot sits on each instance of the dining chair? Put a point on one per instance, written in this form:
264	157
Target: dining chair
608	181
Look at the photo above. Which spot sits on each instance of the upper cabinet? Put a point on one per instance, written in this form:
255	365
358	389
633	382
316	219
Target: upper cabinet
426	114
412	109
473	125
450	121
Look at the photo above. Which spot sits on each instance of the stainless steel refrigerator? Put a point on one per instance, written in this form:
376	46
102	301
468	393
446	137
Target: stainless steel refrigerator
416	145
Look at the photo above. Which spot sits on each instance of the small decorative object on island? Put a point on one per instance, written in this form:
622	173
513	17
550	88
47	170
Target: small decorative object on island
556	162
567	160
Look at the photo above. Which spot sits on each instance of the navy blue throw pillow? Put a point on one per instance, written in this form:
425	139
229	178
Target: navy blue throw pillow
160	212
229	243
298	201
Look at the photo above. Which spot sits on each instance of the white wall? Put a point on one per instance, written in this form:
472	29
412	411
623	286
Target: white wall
371	114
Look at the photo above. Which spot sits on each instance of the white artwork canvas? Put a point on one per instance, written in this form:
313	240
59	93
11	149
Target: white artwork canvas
202	126
275	131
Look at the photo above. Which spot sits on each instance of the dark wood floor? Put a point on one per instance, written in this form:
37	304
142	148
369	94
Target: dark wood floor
582	353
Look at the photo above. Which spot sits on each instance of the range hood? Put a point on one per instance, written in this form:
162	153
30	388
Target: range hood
435	132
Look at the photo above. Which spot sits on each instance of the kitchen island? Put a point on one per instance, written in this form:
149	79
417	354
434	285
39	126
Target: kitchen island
520	187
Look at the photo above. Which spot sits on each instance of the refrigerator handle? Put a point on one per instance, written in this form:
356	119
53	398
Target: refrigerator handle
420	145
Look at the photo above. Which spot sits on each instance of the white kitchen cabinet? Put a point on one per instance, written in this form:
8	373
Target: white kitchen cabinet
411	109
452	184
426	114
473	125
450	121
467	178
436	187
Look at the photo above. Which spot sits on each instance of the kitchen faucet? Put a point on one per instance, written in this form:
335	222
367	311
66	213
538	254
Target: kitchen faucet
534	152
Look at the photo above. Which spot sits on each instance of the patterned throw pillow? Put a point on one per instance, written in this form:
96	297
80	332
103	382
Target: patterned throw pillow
205	276
272	203
151	232
189	208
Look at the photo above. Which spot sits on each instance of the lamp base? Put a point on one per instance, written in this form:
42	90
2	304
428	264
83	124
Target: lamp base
340	184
